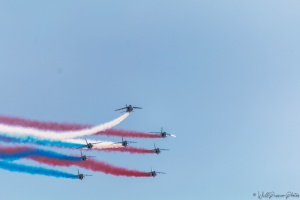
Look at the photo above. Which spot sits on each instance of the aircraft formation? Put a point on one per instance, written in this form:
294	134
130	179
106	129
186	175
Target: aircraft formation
28	134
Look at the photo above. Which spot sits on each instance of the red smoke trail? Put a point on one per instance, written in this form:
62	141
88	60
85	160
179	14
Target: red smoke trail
15	121
13	150
54	126
129	150
125	133
93	165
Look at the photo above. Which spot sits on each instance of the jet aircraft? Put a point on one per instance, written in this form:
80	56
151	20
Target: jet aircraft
82	176
154	173
129	108
157	150
84	157
88	145
163	134
124	142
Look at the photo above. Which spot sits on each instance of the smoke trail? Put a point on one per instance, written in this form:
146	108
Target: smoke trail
56	159
54	126
110	169
31	140
35	170
94	166
99	145
126	133
71	143
14	130
13	153
13	150
129	150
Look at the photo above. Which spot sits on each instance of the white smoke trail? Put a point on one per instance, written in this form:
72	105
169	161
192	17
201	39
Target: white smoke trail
55	135
93	130
69	143
107	145
100	145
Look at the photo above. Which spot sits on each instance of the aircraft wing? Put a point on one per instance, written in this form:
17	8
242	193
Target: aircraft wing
96	142
137	107
81	147
120	109
117	143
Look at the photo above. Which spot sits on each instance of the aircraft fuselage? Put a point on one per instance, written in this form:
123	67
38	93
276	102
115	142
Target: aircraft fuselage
83	158
153	173
157	150
125	143
80	176
129	108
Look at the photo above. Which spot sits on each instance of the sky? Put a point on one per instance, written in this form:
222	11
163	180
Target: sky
223	76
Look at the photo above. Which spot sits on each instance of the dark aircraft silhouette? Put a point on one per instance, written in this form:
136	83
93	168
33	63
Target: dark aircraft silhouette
129	108
154	173
124	142
163	134
88	145
157	150
84	157
82	176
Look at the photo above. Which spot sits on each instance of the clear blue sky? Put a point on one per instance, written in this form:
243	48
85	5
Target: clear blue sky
221	75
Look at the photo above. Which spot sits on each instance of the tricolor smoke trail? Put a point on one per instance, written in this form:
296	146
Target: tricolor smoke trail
13	153
94	166
57	159
32	140
35	170
128	134
54	126
21	131
71	143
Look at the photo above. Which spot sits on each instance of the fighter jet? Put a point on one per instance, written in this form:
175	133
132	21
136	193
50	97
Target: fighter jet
154	173
157	150
84	157
124	142
163	133
129	108
88	145
82	176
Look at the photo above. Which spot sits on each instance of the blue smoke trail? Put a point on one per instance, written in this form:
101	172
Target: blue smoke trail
35	170
33	152
15	156
31	140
